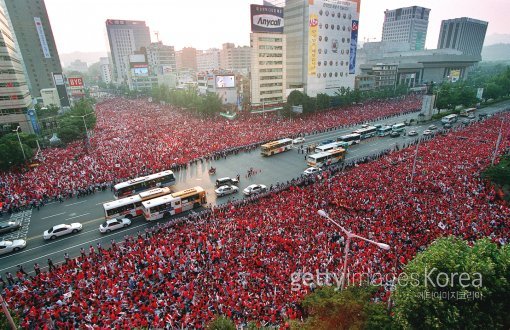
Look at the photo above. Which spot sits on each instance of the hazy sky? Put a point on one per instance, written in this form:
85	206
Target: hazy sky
79	25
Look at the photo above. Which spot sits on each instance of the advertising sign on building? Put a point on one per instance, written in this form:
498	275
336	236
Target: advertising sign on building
354	44
42	37
313	34
75	82
266	19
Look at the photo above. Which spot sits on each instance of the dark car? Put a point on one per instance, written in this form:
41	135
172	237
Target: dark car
394	134
9	226
226	182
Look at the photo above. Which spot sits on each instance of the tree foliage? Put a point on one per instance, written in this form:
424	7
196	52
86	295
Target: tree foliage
470	303
74	123
10	149
221	322
208	104
352	308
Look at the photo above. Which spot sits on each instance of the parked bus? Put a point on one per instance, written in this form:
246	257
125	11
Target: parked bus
366	132
384	131
398	127
276	147
326	158
134	186
467	112
175	203
331	146
449	119
350	139
130	207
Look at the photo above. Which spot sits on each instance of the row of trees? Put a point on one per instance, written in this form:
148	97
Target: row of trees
11	152
208	104
74	124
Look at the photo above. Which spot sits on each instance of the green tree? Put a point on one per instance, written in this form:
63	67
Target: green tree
493	91
352	308
10	150
295	98
221	322
452	266
323	101
210	104
74	123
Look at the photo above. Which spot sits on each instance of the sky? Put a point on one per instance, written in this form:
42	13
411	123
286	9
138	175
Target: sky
79	25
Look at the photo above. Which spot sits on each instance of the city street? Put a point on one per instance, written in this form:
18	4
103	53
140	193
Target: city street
89	212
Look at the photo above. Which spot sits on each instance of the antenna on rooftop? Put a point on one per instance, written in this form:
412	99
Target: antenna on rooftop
157	35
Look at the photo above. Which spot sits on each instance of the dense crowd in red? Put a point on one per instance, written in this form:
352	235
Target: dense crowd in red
133	138
245	261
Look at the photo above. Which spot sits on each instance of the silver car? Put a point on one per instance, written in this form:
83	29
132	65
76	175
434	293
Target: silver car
61	230
9	226
12	246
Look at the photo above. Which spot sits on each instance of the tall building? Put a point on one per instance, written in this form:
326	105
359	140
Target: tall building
106	70
408	25
186	59
125	37
161	58
208	60
234	58
15	98
35	40
322	37
464	34
268	52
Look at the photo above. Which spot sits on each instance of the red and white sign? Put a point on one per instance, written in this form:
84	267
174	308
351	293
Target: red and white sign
75	82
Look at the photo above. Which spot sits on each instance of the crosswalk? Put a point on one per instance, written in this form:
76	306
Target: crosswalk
24	217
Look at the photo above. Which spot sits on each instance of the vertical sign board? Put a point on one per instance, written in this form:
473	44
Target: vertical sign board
354	44
42	37
33	120
60	85
313	33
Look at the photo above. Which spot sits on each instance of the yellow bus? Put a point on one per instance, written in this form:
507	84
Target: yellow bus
326	158
467	112
276	147
174	203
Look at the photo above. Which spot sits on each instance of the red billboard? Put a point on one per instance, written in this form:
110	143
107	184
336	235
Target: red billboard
75	82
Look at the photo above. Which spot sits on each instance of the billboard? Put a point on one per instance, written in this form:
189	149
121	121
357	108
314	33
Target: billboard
266	19
140	71
42	37
313	34
354	44
75	82
225	81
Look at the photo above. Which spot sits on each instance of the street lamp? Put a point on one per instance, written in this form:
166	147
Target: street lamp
498	142
20	144
84	123
350	235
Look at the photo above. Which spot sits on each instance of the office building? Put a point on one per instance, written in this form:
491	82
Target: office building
464	34
408	25
161	58
15	99
208	60
268	45
186	59
106	70
322	38
125	37
237	59
35	41
78	65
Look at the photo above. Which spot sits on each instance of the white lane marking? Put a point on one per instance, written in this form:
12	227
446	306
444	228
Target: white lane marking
77	216
76	203
51	216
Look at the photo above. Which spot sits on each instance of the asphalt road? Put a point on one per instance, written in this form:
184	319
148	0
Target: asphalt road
88	210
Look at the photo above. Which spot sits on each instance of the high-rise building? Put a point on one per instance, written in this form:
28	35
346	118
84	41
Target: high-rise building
268	52
186	59
35	41
234	58
464	34
15	98
125	37
322	37
161	58
208	60
106	70
408	25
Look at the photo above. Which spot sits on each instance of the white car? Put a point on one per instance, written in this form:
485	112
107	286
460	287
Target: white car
226	190
61	230
412	133
12	246
432	127
254	189
113	224
427	132
298	140
311	170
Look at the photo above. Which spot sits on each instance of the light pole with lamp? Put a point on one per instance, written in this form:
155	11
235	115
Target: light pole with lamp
497	142
84	123
350	235
20	144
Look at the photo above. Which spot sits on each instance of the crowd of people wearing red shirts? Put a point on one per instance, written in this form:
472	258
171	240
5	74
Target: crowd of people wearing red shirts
240	259
134	138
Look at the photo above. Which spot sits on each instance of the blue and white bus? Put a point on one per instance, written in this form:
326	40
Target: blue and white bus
384	131
350	139
366	132
135	186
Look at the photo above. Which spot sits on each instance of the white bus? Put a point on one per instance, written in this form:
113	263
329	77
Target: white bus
326	158
134	186
398	127
331	146
366	132
467	112
276	147
175	203
350	139
449	119
384	131
130	207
